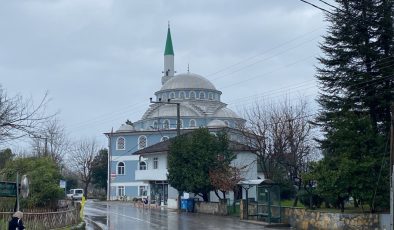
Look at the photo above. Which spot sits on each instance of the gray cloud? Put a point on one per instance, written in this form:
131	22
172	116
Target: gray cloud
101	60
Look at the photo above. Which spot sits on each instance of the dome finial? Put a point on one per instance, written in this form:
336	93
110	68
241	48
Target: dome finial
168	24
188	69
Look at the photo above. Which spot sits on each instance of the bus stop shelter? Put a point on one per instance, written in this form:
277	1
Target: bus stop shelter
267	205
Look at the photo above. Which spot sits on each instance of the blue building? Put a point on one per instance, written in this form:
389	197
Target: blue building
138	150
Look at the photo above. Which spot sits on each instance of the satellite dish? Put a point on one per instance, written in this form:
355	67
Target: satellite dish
24	186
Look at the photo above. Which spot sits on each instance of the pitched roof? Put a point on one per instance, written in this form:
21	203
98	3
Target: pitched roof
169	50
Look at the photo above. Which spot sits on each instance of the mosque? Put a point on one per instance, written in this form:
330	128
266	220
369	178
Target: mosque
138	150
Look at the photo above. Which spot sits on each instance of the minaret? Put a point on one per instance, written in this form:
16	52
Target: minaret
168	59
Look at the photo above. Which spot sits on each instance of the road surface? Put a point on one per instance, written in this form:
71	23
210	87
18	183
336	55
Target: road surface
123	216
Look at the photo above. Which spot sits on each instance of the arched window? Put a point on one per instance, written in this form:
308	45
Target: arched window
172	95
166	124
164	97
210	95
155	126
192	123
182	95
142	165
202	95
192	95
120	143
142	142
120	168
164	138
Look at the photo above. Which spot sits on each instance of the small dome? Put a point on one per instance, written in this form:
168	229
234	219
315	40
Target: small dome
225	112
125	128
188	81
216	124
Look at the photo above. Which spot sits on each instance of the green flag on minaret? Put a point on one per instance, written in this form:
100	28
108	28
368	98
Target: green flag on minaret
169	50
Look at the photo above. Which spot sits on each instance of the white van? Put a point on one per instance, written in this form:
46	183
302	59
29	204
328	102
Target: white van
75	194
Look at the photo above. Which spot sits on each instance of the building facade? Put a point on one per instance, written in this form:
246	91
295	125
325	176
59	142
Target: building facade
138	150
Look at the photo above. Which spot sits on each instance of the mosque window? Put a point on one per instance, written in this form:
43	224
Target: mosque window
142	142
164	138
120	143
192	95
166	124
182	95
155	125
120	168
142	165
192	123
202	95
164	97
172	95
210	95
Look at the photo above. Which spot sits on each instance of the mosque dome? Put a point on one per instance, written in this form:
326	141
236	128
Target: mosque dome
188	81
216	124
125	128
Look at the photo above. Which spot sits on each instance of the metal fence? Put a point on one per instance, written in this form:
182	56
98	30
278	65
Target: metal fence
45	220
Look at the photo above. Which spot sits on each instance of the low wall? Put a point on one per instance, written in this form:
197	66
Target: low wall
215	208
301	218
47	220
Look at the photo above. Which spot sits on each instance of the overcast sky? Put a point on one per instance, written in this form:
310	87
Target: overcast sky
101	60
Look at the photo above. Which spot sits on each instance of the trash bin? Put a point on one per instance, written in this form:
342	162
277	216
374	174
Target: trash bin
190	205
184	203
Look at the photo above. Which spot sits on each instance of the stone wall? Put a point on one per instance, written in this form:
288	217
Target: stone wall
301	218
215	208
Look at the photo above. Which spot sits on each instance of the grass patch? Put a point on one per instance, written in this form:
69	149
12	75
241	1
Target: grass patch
289	203
3	224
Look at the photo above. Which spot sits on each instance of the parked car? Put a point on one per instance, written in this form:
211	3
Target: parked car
75	194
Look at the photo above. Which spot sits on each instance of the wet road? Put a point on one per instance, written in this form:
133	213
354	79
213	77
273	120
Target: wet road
122	215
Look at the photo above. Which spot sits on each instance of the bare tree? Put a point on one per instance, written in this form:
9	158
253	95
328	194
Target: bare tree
282	138
19	117
51	140
81	161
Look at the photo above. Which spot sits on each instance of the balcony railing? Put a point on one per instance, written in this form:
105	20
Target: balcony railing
152	174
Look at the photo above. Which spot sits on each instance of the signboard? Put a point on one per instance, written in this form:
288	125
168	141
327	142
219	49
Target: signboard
62	184
113	176
7	189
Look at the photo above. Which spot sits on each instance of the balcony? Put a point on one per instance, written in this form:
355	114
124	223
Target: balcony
153	174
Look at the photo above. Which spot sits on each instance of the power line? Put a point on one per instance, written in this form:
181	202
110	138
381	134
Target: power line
317	7
264	52
328	4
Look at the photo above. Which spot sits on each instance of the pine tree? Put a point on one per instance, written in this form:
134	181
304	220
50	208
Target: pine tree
356	78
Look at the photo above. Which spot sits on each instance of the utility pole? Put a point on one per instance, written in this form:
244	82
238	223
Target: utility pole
391	168
109	167
178	112
178	128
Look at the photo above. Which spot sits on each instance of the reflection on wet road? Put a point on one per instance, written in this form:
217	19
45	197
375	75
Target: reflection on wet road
122	215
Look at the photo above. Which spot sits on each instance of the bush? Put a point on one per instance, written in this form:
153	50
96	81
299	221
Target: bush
305	198
44	176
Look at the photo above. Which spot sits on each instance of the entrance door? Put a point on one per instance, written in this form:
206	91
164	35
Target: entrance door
159	192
